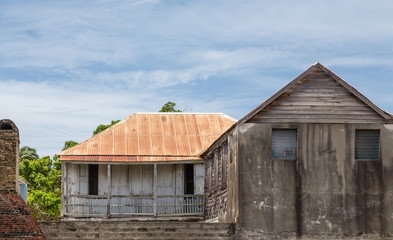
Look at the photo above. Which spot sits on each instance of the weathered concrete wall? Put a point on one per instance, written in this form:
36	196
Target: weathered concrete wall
137	230
232	211
325	192
9	157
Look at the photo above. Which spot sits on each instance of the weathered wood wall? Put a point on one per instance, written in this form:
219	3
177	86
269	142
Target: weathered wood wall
216	182
134	179
317	98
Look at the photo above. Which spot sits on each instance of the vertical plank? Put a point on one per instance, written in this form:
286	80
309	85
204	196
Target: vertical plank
108	211
63	187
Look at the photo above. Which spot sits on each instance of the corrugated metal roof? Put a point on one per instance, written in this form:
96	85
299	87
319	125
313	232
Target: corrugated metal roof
148	137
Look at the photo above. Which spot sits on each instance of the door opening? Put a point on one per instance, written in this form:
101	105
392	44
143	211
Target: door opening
93	179
189	179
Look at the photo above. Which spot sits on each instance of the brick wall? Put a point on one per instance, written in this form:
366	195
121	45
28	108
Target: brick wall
16	221
9	156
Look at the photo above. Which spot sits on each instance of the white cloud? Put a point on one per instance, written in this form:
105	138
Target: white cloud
69	66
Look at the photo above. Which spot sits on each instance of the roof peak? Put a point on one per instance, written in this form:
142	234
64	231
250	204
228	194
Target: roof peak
199	113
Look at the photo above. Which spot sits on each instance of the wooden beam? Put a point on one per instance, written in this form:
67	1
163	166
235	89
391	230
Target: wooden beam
109	181
63	188
155	189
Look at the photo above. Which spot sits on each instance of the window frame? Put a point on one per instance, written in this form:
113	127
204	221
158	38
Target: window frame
355	145
297	144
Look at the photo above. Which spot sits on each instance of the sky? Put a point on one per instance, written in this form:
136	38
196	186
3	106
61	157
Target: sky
68	66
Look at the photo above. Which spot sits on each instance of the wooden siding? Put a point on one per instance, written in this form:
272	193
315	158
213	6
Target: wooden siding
317	98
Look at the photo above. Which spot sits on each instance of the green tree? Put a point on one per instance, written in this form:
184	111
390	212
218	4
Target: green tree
28	153
102	127
169	107
44	191
69	144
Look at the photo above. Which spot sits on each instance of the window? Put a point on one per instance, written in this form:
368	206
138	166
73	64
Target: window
88	179
284	143
367	145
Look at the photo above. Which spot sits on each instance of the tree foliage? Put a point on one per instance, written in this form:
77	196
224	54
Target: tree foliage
69	144
27	152
44	191
102	127
169	107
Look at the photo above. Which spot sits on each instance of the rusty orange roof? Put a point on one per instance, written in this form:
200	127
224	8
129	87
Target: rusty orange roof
152	137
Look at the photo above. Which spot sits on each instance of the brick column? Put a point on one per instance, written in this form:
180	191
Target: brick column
9	157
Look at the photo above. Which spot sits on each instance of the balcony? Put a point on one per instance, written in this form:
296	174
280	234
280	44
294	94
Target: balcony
130	206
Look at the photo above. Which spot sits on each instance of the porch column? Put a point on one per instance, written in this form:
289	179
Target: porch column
63	188
108	211
155	189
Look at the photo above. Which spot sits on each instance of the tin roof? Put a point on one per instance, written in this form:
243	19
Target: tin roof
152	137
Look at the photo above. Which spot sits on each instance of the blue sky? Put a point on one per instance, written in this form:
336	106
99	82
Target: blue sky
68	66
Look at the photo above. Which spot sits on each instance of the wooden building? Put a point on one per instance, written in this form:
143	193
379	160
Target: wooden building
314	161
145	165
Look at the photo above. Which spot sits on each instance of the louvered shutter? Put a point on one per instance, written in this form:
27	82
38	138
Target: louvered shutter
367	144
284	143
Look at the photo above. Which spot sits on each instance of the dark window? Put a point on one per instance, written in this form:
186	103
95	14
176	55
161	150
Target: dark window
367	144
189	179
284	143
93	179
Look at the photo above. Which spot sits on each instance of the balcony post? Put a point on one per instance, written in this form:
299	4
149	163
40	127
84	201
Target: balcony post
63	188
108	211
155	190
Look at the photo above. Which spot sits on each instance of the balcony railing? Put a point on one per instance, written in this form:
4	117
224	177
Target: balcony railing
123	206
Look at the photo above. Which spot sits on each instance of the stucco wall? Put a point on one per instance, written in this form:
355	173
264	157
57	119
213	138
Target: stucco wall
324	192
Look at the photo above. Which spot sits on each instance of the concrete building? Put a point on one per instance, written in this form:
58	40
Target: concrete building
16	221
314	161
146	165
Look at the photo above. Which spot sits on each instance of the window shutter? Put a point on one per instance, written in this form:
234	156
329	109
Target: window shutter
284	143
367	144
82	179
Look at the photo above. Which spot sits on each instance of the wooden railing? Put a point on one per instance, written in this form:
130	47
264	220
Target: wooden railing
124	205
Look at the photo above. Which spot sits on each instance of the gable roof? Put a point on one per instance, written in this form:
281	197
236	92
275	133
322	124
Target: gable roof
314	67
147	137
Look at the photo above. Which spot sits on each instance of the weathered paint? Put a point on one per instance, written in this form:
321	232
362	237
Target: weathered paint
199	176
324	192
132	180
152	137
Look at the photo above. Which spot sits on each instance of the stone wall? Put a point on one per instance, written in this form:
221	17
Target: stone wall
216	182
142	230
9	156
